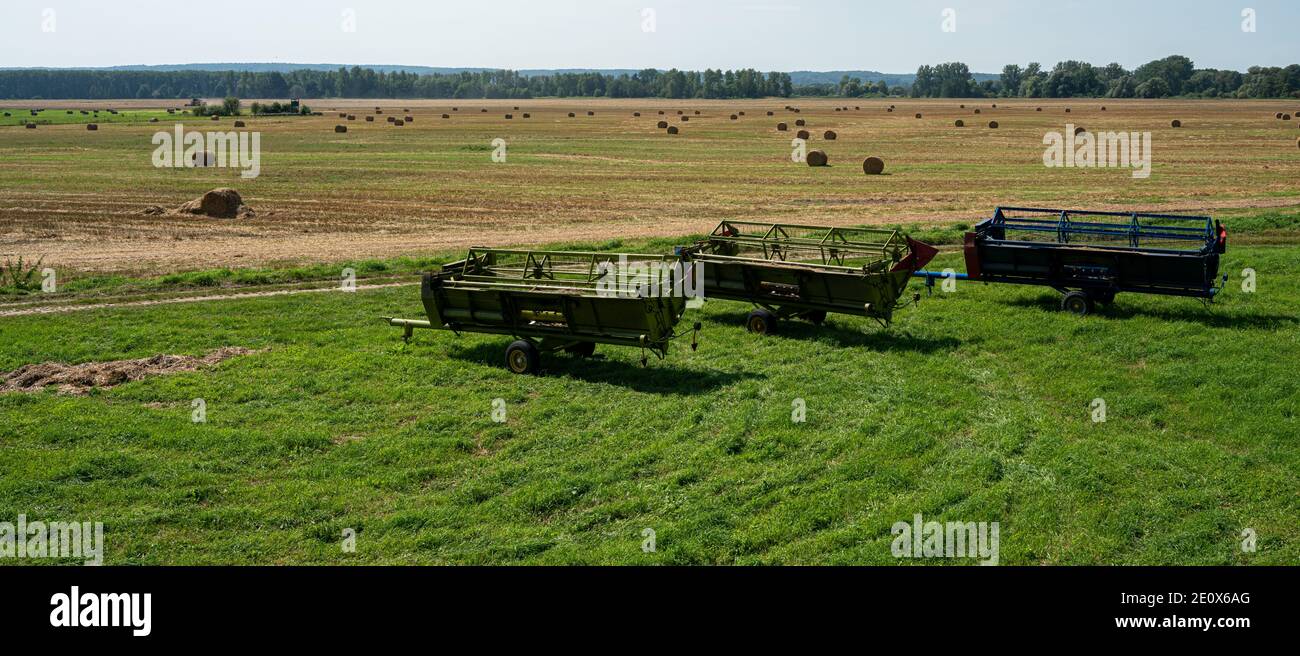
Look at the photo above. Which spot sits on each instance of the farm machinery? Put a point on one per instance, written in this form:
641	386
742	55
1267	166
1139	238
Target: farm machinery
556	301
1091	256
801	271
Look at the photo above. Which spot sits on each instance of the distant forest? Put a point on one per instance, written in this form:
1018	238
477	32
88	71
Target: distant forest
1174	76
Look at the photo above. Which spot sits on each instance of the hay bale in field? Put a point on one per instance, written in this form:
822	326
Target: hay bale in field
803	134
1039	109
661	124
960	123
446	115
1286	117
1175	123
830	135
837	109
636	113
410	119
169	111
962	106
222	203
734	117
7	114
343	114
591	113
918	115
769	114
1103	108
1067	110
69	111
680	112
455	109
216	118
526	115
370	119
239	124
672	129
339	129
741	113
816	158
380	111
995	105
889	109
801	122
856	107
352	117
30	126
661	112
398	123
391	119
697	112
1278	115
510	117
782	127
572	115
873	166
516	108
977	110
92	127
993	125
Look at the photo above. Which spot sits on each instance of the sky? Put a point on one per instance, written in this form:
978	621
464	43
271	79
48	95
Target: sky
893	36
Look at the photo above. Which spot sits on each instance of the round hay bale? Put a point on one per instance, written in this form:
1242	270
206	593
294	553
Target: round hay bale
873	166
830	135
7	114
370	119
92	127
962	107
960	123
816	158
572	115
69	111
509	116
1286	117
1175	123
239	124
398	123
795	110
672	129
352	117
995	105
1039	109
801	122
455	109
661	112
918	115
662	124
380	111
857	107
391	119
837	109
1278	115
223	203
340	129
697	112
803	134
1079	129
680	112
993	125
891	107
526	115
769	114
685	119
782	127
1067	110
410	119
343	114
591	113
446	115
1103	108
741	113
30	126
216	118
734	117
636	113
516	109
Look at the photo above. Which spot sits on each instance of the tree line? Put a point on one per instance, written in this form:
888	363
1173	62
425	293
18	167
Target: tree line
358	82
1173	76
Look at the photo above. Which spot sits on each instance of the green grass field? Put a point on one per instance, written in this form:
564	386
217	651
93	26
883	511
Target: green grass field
19	116
974	406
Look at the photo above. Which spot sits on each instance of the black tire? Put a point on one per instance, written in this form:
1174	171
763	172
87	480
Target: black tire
582	349
761	322
1077	303
816	317
522	357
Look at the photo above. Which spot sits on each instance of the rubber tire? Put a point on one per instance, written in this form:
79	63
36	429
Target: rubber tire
522	357
761	322
582	349
1077	303
816	317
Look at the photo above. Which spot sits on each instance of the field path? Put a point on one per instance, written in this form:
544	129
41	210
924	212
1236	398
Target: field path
55	309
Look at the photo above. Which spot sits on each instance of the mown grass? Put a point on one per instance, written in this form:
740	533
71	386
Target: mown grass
20	116
973	406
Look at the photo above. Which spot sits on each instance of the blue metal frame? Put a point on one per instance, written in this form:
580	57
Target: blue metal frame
1064	226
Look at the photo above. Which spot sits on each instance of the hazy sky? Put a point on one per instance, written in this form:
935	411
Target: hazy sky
894	36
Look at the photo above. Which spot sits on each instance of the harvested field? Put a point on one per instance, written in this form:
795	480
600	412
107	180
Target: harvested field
432	187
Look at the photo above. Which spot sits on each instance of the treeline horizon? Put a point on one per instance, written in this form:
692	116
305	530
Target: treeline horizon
1172	77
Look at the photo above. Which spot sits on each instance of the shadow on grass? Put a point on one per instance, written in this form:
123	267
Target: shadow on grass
875	338
1189	310
657	377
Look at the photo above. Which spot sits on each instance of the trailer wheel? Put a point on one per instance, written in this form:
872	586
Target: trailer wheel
1077	302
583	349
522	357
761	322
816	317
